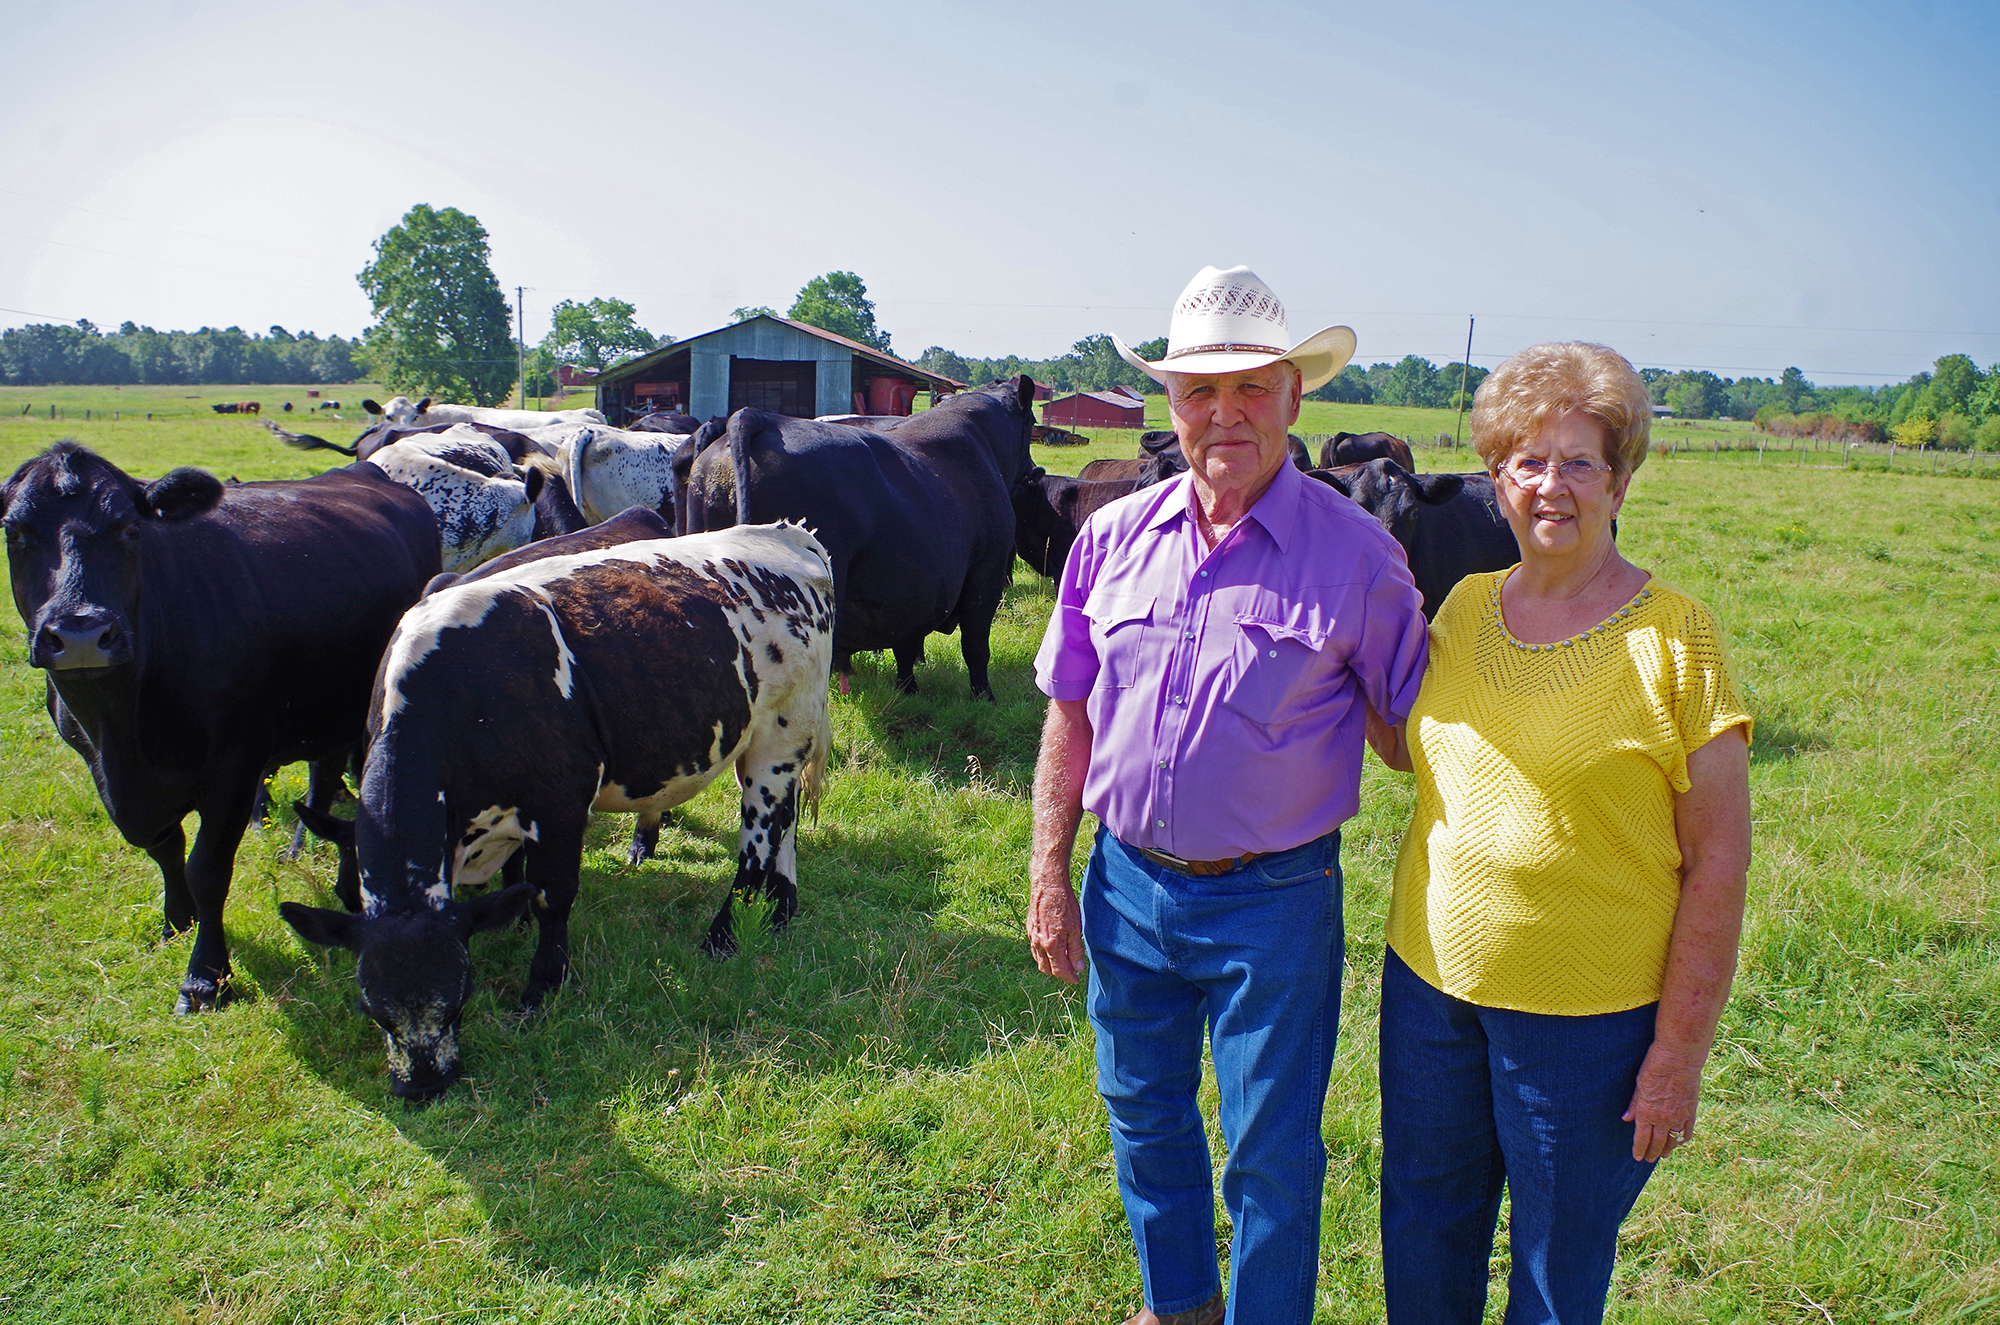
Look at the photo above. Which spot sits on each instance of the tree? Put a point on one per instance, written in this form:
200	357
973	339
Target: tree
1412	381
1348	387
1792	383
1955	380
441	322
1696	395
838	302
745	314
597	334
937	359
1914	432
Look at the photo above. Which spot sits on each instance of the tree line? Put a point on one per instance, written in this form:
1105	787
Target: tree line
1953	405
52	354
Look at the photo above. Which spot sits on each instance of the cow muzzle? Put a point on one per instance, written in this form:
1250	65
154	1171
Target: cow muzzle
78	641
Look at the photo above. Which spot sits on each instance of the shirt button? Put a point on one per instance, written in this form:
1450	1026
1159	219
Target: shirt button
1160	823
1274	653
1190	634
1163	763
1204	575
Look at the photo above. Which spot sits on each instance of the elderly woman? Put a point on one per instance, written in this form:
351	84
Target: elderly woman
1569	895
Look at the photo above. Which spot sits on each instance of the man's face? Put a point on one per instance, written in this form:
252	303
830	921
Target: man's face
1232	426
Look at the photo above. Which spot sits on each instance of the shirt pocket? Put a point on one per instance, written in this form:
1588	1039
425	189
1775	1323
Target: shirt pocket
1118	631
1278	668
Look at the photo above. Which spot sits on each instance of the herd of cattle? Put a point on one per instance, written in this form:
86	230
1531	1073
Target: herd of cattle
506	620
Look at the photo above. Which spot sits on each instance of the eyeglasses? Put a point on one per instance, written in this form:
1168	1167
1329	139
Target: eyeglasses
1528	471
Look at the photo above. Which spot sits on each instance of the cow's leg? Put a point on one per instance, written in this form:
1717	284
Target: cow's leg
554	868
323	787
908	653
224	817
975	635
176	903
260	809
645	837
766	852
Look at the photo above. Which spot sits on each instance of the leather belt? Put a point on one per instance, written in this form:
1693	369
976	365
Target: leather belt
1199	868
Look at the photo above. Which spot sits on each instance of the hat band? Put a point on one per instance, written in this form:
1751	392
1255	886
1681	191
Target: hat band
1225	347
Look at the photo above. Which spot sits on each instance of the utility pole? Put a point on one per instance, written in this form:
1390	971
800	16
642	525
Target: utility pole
1463	373
520	349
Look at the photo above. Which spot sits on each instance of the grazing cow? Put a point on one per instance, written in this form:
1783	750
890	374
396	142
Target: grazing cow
1049	510
666	421
518	445
919	522
195	635
1349	448
1449	525
484	505
225	409
616	669
329	404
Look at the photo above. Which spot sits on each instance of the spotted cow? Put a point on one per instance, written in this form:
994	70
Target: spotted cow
616	669
484	503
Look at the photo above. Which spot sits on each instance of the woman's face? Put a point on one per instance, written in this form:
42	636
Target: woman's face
1555	515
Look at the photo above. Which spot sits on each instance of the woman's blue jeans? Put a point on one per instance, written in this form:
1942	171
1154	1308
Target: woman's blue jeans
1474	1098
1253	957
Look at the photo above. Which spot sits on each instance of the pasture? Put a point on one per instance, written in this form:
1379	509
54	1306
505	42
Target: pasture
887	1114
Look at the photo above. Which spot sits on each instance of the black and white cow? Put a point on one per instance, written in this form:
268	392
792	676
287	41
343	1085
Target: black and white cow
616	669
610	469
485	504
919	521
196	635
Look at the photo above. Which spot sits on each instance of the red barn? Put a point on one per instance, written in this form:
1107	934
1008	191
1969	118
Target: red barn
1095	409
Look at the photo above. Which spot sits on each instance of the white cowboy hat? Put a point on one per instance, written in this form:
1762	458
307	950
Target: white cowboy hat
1229	321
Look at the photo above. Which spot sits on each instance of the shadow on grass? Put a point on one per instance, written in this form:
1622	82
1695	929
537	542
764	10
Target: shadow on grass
863	980
1778	740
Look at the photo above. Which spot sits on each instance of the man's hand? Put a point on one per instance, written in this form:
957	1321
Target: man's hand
1055	930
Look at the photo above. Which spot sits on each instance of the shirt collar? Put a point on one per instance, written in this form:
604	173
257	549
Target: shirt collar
1277	511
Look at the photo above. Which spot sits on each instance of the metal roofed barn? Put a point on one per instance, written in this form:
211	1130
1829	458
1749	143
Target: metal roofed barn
1096	409
769	363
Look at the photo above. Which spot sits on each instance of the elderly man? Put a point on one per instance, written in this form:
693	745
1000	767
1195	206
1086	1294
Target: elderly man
1217	644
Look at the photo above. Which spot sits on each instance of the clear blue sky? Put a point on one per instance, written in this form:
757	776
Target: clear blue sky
1737	187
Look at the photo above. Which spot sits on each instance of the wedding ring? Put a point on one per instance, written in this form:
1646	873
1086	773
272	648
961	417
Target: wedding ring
1678	1136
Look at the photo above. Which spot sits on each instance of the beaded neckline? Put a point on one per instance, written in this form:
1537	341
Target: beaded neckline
1500	620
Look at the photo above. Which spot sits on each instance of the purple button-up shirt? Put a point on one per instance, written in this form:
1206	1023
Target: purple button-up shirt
1224	686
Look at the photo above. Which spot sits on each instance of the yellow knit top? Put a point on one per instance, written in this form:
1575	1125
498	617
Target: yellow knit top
1541	871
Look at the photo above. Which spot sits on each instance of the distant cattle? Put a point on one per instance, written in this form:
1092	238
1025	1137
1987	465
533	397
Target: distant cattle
518	445
1049	510
919	521
666	421
195	635
1449	525
617	669
238	407
484	504
329	404
1348	448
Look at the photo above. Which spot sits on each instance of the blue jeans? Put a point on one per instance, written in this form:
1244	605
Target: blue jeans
1476	1097
1254	958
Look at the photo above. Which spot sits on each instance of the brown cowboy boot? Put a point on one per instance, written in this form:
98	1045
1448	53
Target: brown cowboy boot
1208	1313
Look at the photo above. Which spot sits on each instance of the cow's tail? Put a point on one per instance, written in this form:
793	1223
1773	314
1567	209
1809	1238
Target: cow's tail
739	459
577	446
812	777
305	441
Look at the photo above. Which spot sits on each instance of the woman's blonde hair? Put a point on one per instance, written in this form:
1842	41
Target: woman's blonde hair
1544	382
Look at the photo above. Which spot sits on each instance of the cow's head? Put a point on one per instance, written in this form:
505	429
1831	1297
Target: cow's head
383	420
414	968
76	528
1393	495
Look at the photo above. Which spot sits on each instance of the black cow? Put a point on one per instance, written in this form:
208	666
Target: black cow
1049	511
196	635
919	521
1351	448
1449	525
666	421
616	669
517	445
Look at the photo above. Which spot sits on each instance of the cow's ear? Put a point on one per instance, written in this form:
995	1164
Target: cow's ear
493	910
1437	489
437	582
371	406
325	927
1024	392
184	494
326	827
533	477
423	404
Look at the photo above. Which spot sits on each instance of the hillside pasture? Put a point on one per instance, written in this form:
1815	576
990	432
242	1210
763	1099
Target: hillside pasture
888	1115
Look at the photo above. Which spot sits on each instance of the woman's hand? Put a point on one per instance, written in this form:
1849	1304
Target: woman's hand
1391	744
1664	1103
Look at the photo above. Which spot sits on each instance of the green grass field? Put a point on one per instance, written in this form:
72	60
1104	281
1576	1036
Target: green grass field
888	1115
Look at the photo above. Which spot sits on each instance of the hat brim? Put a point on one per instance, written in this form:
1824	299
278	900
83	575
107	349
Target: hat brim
1319	357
